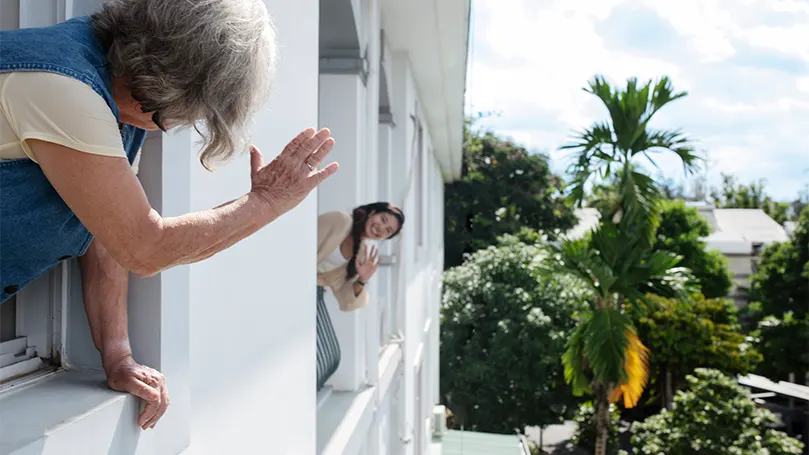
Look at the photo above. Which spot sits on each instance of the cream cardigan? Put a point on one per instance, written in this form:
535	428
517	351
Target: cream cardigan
332	229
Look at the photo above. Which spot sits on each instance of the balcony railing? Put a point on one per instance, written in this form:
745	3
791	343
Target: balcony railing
328	349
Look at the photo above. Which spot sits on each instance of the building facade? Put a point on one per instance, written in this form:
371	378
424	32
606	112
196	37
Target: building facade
237	335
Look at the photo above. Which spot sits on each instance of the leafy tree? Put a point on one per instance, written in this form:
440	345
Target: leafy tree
783	342
750	196
617	262
681	232
503	332
683	336
780	290
715	416
503	188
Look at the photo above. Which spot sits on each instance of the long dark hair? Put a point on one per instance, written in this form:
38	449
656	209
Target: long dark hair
360	216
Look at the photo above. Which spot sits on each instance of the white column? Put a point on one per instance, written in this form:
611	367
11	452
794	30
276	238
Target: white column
342	100
371	16
385	273
403	107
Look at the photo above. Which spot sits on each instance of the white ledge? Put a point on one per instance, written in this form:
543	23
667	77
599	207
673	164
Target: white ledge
344	418
70	413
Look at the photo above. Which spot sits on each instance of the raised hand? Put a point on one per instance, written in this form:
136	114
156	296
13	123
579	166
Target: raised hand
294	173
367	262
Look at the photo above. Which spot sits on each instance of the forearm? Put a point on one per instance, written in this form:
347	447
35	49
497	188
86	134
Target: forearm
191	238
105	286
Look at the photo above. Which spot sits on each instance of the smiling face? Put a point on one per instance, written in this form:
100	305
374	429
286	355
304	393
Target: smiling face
380	226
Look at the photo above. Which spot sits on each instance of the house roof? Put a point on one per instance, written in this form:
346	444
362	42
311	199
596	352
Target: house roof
751	224
735	231
435	34
472	443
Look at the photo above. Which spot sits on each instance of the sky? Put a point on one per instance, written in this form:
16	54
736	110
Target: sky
744	64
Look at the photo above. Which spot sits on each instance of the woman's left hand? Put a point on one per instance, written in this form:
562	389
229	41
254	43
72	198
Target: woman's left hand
369	263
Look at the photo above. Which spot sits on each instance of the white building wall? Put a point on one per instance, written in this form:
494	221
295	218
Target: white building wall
253	306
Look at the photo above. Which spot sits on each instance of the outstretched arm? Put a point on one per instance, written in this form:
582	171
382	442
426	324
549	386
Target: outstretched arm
108	199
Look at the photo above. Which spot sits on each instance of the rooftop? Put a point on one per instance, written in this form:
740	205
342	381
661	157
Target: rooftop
472	443
735	231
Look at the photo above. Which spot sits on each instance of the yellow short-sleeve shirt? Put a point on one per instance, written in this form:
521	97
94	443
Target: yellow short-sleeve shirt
58	109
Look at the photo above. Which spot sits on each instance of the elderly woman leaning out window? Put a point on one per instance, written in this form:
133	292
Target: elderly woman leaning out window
76	101
347	255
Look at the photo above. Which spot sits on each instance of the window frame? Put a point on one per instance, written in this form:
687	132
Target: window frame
40	336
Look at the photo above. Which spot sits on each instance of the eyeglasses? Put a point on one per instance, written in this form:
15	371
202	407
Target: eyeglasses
156	120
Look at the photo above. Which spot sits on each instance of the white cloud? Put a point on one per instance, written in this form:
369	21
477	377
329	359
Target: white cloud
531	59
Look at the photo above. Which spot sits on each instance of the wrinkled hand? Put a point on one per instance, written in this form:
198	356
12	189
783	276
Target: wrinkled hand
287	180
148	384
367	262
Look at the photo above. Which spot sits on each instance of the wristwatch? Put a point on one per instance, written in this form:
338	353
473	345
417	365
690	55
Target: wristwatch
360	282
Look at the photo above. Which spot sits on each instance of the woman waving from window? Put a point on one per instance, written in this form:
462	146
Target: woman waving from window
347	255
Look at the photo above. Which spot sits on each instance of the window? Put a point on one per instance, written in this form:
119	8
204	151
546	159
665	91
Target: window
31	328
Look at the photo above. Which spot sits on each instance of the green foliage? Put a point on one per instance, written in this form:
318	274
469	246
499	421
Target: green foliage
681	232
585	433
617	262
683	336
607	147
503	332
751	196
781	282
503	189
780	288
783	343
714	416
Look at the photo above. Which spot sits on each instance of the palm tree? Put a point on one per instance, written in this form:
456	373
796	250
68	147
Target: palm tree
604	355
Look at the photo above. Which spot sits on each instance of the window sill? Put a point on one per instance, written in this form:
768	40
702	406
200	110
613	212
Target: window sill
343	418
69	413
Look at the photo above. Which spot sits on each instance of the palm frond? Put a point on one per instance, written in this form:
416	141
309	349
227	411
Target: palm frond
594	151
605	345
636	367
573	359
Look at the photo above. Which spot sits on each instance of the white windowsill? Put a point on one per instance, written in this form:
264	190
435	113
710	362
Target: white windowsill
343	418
69	413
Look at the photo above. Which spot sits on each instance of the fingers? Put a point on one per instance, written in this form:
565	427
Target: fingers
314	144
298	142
256	159
319	154
150	397
164	404
320	176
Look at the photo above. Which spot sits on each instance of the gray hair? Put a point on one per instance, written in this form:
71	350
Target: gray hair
193	60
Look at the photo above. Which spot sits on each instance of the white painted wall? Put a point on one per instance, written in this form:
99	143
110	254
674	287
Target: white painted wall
253	306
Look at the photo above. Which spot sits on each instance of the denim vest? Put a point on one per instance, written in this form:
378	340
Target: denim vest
37	229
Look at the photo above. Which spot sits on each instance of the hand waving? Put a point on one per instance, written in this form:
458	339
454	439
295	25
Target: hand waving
366	267
293	174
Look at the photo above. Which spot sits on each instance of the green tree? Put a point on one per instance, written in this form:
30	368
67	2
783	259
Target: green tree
780	308
503	332
681	232
503	188
683	336
617	261
714	416
735	195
